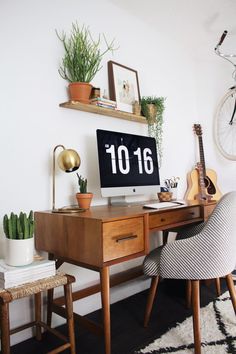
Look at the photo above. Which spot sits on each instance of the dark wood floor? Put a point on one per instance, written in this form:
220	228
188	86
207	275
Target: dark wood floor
128	332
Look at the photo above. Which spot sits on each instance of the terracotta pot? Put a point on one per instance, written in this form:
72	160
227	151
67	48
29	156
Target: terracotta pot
84	200
80	91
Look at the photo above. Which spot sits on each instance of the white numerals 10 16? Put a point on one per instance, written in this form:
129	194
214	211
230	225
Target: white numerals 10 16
122	155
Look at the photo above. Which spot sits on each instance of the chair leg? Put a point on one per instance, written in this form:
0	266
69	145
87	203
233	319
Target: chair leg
218	287
37	307
196	316
70	316
188	294
150	300
230	285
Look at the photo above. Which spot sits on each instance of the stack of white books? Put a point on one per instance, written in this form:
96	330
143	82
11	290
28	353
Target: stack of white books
13	276
103	102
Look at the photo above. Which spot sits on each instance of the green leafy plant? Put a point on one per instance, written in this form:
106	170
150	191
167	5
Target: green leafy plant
82	59
18	226
154	119
82	182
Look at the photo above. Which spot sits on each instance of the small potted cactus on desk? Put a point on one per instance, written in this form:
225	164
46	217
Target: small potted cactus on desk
19	231
84	198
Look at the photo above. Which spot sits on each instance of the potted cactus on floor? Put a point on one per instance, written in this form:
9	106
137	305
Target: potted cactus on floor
84	198
19	231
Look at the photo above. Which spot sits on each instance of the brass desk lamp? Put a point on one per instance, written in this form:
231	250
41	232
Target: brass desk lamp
68	160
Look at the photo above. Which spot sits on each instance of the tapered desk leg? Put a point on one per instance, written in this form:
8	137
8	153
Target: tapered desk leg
105	295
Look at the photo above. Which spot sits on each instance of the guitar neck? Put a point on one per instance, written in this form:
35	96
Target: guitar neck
201	181
201	153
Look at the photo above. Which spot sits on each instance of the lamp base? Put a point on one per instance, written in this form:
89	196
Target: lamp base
68	210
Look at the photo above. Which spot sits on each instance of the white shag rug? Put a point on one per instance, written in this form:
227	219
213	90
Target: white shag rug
218	332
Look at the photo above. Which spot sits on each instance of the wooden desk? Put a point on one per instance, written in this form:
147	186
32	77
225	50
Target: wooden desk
103	236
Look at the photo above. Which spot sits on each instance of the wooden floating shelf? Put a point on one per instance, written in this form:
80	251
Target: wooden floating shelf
104	111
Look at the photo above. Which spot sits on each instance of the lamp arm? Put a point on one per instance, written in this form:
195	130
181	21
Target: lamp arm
53	174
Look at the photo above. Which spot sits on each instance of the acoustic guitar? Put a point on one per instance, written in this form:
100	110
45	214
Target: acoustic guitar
209	176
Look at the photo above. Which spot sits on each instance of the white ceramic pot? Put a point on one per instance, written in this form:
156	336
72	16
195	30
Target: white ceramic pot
19	252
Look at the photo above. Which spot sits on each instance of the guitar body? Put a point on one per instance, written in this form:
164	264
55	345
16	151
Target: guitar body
211	187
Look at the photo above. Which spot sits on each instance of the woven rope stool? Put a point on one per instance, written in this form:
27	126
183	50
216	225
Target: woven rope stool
35	288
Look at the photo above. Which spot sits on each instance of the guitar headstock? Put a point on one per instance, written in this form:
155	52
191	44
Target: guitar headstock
197	129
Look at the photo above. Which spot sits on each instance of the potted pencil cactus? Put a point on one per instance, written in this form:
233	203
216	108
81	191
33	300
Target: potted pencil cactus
84	197
82	60
19	231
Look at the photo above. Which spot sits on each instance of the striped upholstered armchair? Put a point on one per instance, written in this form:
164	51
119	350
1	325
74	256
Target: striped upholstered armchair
209	254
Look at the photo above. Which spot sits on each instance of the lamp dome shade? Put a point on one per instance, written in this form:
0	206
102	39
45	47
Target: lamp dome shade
68	160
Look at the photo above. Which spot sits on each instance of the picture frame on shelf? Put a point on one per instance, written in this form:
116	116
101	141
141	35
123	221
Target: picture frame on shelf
123	86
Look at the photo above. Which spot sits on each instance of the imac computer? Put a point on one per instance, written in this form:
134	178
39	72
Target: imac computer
128	165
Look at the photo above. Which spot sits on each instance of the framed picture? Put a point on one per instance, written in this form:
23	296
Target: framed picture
123	86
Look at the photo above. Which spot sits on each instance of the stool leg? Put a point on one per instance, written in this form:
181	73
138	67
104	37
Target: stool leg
70	316
37	307
5	328
49	306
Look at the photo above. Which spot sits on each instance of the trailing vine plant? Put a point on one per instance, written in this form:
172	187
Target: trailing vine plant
153	108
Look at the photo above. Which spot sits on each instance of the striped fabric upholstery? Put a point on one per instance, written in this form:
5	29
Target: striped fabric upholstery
210	253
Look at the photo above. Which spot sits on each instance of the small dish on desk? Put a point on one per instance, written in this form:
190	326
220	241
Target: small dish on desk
165	196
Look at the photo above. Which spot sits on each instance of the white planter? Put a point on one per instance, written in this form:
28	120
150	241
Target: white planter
19	252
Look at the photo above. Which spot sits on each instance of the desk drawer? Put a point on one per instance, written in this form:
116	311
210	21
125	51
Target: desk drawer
123	238
175	216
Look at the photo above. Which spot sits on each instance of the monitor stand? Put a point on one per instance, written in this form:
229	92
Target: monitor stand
119	201
125	201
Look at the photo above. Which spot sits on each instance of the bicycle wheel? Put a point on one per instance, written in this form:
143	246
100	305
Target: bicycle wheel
225	125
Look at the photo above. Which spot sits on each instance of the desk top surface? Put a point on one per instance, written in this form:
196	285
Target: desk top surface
107	212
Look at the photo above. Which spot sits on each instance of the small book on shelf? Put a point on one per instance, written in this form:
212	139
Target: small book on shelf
103	100
103	105
13	276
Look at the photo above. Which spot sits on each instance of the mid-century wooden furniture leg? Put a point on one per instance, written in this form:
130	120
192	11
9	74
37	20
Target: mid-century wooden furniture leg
230	285
196	316
218	287
105	296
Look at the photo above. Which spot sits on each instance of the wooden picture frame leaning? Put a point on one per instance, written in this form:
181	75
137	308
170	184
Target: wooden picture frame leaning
123	86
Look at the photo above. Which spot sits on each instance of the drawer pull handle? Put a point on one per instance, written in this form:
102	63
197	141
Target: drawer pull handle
192	213
162	219
126	238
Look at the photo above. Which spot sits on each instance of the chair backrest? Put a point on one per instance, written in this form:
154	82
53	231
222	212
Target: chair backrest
209	254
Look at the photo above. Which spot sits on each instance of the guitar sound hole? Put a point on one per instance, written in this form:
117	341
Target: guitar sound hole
209	186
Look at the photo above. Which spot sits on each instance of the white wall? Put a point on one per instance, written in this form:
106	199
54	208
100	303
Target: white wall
170	43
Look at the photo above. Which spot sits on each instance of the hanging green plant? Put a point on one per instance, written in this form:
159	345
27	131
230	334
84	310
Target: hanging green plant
153	108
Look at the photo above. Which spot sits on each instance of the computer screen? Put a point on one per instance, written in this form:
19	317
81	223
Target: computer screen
128	164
